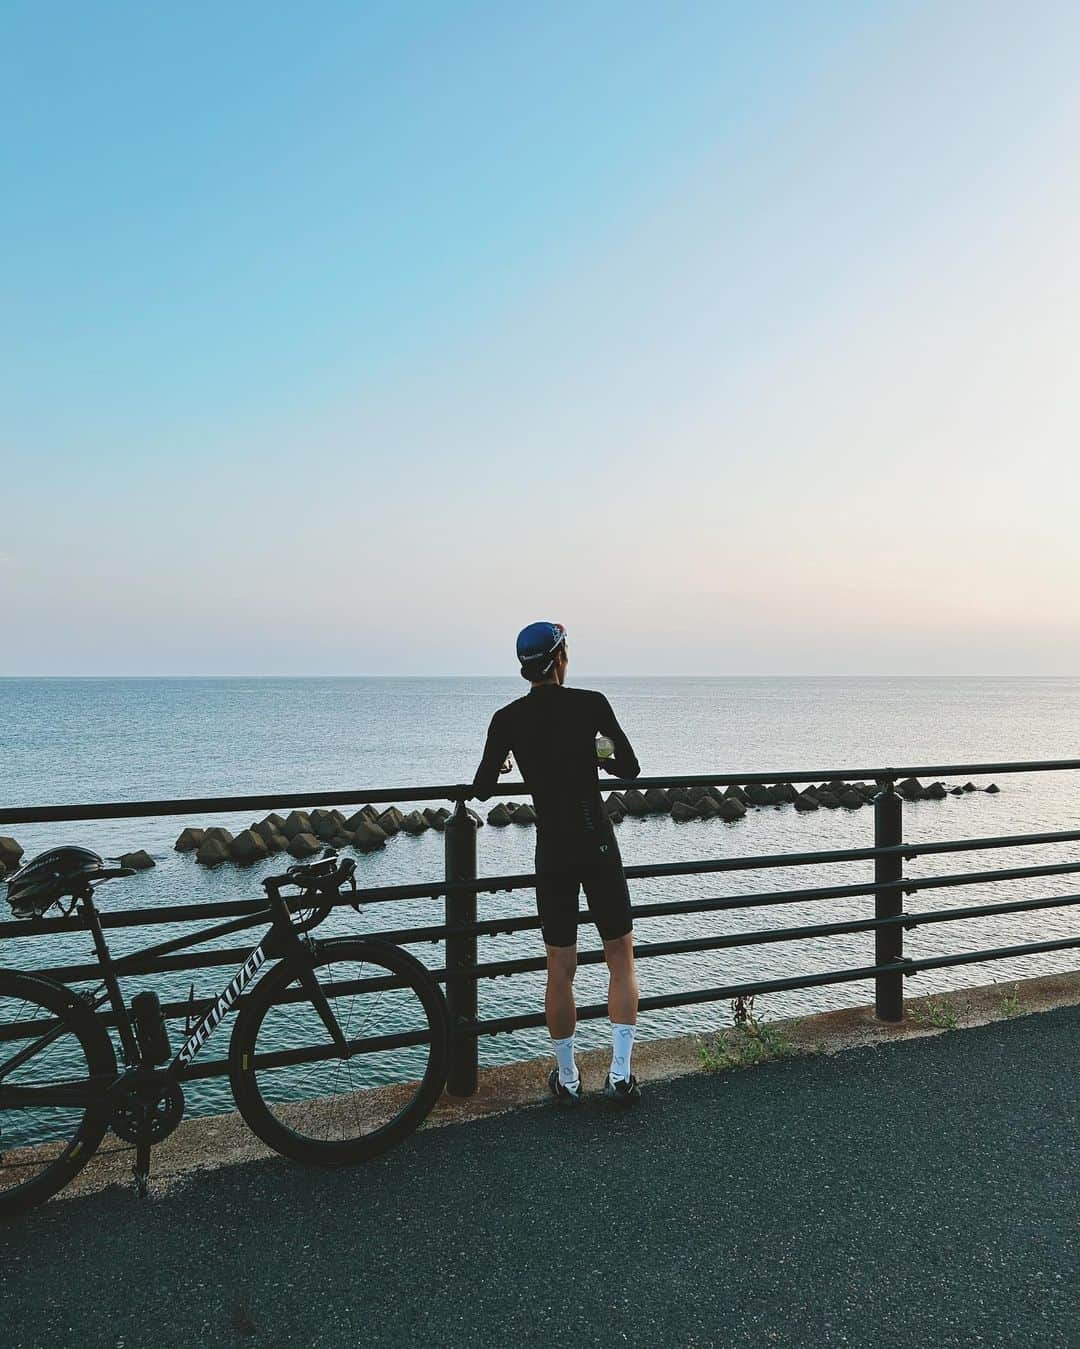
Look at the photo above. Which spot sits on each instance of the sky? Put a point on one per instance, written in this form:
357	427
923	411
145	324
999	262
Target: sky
348	338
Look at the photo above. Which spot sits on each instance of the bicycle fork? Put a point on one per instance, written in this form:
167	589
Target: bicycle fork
321	1003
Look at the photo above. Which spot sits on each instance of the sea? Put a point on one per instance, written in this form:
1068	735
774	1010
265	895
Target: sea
95	740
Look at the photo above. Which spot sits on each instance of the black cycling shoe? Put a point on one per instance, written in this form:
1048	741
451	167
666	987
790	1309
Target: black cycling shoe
563	1094
622	1092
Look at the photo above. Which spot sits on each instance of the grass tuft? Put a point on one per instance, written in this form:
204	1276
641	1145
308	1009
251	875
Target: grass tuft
935	1013
749	1043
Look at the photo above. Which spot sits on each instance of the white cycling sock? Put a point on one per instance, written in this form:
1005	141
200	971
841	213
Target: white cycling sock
564	1057
622	1043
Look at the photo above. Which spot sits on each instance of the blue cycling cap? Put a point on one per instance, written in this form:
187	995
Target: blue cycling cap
536	648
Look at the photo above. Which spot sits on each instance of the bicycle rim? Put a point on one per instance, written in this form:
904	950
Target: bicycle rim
43	1145
294	1088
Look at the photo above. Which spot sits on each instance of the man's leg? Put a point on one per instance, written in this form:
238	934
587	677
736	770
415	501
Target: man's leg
559	1008
561	1014
622	980
622	1004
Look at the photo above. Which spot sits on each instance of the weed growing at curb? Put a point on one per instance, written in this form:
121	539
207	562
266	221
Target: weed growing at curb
1010	1003
748	1044
935	1013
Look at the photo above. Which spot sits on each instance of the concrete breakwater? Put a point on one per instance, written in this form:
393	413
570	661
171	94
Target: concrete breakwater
306	833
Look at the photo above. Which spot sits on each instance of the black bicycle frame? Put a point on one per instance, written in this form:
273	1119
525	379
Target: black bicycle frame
279	940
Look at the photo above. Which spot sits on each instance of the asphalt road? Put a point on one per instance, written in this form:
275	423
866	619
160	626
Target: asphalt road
924	1193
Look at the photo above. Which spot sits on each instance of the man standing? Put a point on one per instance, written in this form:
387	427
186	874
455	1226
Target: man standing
552	732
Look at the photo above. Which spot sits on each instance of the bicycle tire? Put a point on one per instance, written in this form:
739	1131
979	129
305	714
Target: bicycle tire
275	1120
83	1038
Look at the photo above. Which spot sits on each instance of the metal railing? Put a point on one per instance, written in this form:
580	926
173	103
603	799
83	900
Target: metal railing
461	885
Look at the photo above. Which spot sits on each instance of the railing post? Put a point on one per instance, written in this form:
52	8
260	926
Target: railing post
888	941
460	842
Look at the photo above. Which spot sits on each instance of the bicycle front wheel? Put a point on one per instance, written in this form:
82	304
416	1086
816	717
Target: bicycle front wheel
56	1063
292	1085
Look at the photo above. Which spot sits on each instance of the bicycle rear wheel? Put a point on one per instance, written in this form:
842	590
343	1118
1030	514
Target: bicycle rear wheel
295	1090
49	1044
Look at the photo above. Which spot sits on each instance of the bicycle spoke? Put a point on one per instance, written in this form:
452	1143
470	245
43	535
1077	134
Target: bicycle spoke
311	1092
46	1089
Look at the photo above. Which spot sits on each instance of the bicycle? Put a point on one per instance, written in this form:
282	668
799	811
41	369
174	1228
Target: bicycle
336	1008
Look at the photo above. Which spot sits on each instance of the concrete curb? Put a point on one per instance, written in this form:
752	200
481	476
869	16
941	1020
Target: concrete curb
224	1140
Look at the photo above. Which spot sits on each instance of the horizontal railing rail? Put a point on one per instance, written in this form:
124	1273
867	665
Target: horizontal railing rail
460	887
460	791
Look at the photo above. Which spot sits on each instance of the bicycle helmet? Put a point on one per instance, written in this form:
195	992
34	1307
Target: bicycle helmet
49	876
537	646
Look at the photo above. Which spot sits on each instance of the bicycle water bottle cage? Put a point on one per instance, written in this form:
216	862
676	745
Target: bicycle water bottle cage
54	875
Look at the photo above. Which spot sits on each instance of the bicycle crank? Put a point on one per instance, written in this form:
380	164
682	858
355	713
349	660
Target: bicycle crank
157	1109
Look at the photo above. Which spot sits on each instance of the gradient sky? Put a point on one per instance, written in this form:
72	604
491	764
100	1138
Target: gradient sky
348	338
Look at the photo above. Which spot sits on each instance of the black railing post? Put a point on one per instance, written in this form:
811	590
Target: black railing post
460	842
888	941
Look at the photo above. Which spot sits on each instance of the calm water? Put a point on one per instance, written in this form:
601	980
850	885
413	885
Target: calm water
114	739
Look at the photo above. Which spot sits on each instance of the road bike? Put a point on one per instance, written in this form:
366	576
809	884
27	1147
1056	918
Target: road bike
338	1051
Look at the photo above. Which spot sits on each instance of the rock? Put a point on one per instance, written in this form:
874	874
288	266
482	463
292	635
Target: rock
266	830
275	821
805	801
436	818
615	809
325	827
343	839
708	807
188	841
969	787
368	815
736	793
784	793
758	794
681	812
524	814
248	847
679	794
212	852
415	822
993	788
368	836
390	820
298	822
868	789
658	800
911	789
696	792
222	835
827	799
731	808
634	803
138	860
499	815
852	799
10	852
275	842
956	791
936	791
304	845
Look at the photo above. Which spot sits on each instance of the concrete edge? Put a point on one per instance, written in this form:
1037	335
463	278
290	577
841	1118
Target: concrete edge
211	1142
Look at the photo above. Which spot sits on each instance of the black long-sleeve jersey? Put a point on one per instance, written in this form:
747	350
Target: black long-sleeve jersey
552	734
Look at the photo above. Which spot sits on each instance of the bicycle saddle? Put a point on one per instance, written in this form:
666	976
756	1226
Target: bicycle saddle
50	876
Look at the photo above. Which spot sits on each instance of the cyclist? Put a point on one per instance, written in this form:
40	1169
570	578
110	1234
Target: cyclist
552	733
